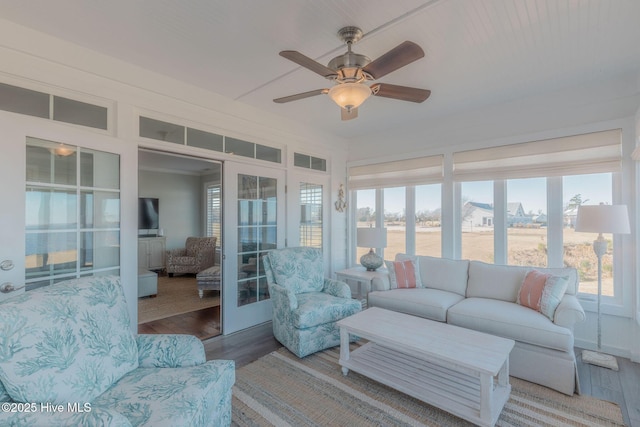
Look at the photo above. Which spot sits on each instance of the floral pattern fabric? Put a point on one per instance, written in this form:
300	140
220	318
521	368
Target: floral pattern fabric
67	342
73	341
197	255
169	351
298	269
191	396
305	314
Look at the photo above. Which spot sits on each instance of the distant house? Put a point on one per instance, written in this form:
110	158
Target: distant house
516	215
570	215
476	214
540	219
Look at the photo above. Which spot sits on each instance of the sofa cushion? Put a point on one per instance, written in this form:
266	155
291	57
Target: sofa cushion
184	396
503	281
509	320
542	292
318	308
428	303
403	274
67	342
298	269
442	273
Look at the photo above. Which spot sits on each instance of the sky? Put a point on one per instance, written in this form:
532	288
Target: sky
532	193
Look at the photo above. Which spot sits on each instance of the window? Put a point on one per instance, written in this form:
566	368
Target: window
309	162
365	215
578	247
46	106
427	218
72	213
214	216
310	215
395	220
178	134
527	221
476	221
381	193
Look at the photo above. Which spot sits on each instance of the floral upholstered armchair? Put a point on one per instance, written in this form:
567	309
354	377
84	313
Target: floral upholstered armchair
197	255
306	306
69	347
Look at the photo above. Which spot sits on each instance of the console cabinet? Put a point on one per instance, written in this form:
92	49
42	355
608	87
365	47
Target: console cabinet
151	253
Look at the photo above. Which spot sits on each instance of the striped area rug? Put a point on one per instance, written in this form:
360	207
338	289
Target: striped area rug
281	390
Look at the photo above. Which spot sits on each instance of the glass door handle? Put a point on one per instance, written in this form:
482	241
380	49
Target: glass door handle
6	265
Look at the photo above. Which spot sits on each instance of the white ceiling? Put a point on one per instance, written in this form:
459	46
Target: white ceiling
478	52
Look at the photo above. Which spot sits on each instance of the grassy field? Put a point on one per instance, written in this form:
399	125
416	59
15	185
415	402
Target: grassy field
527	246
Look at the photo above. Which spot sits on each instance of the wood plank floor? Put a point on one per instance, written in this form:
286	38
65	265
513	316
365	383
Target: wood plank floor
204	324
621	387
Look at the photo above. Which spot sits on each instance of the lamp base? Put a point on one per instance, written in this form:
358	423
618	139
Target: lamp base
371	260
600	359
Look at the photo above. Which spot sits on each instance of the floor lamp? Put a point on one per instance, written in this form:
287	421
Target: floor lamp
600	219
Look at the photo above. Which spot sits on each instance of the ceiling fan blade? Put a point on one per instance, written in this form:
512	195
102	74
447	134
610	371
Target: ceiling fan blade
403	54
308	63
302	95
348	115
402	93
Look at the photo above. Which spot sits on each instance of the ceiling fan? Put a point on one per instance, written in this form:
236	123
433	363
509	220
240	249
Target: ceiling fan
350	71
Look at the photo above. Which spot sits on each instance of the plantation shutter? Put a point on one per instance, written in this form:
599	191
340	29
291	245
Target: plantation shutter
596	152
213	212
421	170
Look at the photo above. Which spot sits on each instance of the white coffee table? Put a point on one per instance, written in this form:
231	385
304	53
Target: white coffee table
461	371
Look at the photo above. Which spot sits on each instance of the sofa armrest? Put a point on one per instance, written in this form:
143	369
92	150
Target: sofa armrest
336	288
283	297
380	283
569	312
169	351
92	416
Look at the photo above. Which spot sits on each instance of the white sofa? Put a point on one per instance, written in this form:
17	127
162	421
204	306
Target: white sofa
481	296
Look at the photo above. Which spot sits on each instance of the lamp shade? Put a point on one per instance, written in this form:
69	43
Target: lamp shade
612	219
372	237
349	95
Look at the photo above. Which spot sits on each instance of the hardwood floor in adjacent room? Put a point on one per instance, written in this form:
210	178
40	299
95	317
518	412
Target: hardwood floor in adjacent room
186	312
204	324
621	387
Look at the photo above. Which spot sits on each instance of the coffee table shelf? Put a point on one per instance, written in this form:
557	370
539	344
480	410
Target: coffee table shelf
435	366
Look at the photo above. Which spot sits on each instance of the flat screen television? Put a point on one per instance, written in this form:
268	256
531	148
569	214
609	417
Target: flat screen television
148	213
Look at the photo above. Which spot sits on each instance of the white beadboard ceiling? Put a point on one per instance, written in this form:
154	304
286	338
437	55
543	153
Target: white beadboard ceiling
478	52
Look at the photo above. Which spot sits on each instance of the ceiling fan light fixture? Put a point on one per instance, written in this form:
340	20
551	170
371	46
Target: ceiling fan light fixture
349	95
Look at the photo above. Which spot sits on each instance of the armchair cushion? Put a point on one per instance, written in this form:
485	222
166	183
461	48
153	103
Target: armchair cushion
197	255
184	396
66	343
317	308
169	351
298	269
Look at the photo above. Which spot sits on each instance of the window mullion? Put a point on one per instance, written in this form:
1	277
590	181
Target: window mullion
555	222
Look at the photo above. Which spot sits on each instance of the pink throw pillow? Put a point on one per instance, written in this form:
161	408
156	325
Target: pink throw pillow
542	292
530	294
403	274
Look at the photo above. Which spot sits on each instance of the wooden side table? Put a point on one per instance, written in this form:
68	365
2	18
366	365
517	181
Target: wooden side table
362	277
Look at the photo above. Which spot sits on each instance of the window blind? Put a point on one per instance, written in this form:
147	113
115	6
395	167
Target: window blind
596	152
214	210
421	170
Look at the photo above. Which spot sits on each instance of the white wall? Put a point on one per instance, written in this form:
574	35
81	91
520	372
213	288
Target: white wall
180	203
